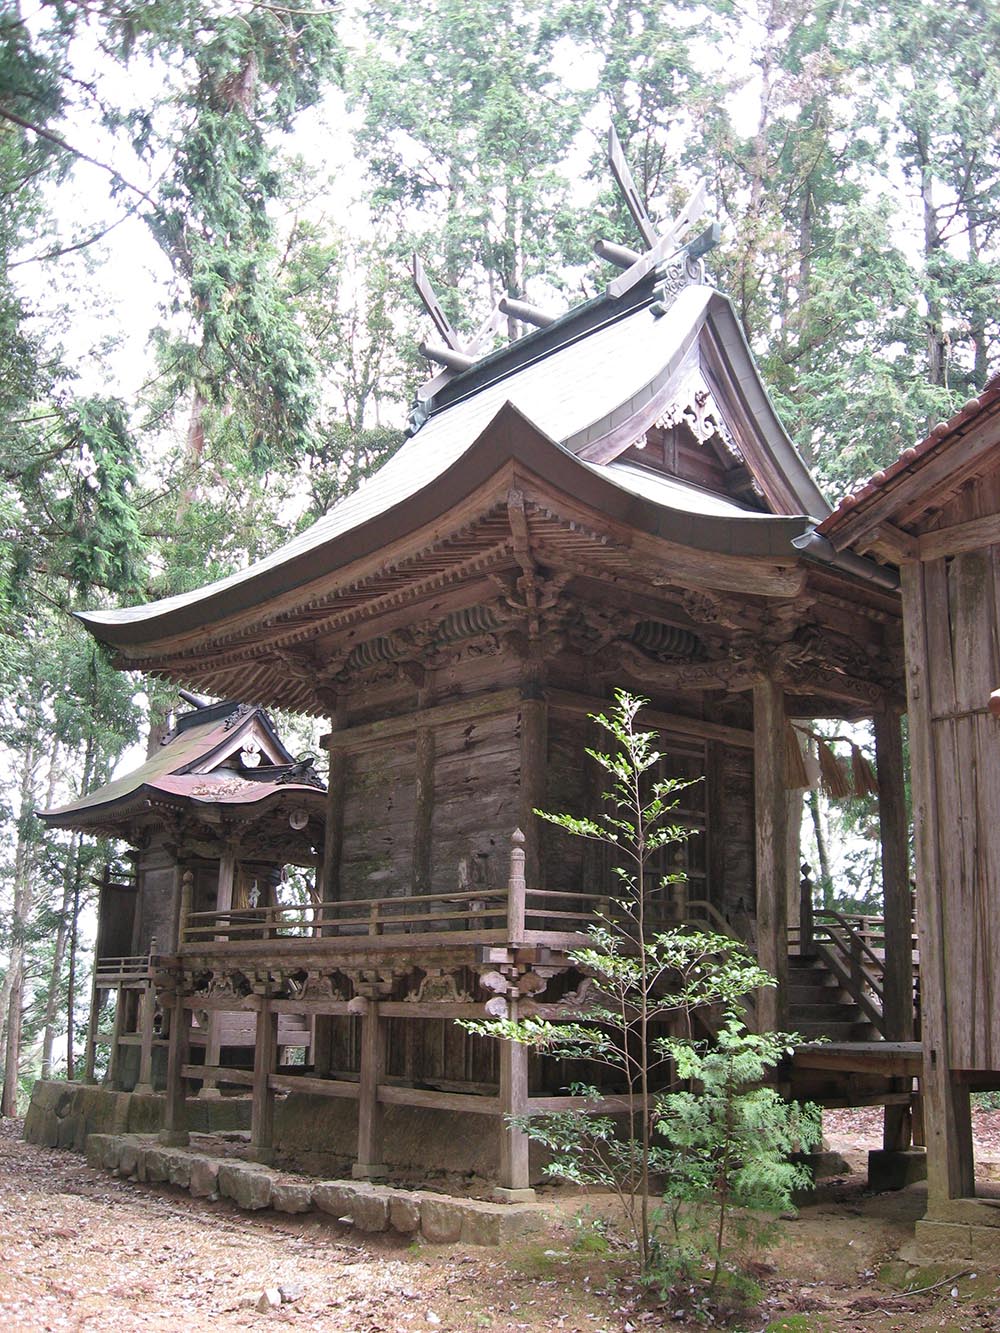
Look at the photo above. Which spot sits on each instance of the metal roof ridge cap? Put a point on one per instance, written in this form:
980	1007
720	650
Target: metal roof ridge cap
615	317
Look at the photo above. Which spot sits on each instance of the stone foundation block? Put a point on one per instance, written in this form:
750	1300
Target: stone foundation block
95	1149
440	1219
942	1241
895	1168
128	1158
370	1209
248	1186
204	1178
484	1224
156	1162
179	1164
291	1196
404	1213
335	1197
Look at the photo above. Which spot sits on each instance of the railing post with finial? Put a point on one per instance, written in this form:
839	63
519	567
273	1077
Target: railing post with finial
516	889
187	898
806	910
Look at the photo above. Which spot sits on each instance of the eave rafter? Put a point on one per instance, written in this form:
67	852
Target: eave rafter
353	602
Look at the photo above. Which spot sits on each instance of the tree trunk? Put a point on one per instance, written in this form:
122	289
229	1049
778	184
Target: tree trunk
71	889
12	1046
25	865
937	342
822	853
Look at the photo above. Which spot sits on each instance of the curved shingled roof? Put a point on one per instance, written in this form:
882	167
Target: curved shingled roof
600	370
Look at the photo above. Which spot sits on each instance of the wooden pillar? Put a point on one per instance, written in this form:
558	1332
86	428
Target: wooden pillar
715	775
223	903
773	872
185	898
265	1055
321	1049
945	1102
174	1132
147	1011
534	762
333	839
793	855
111	1078
90	1054
515	1177
423	817
369	1162
806	919
897	983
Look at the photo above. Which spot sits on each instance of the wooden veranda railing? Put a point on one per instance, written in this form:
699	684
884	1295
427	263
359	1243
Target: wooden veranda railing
512	914
110	971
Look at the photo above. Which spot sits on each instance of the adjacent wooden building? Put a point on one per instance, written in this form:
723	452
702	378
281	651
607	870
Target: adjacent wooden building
609	501
935	516
211	821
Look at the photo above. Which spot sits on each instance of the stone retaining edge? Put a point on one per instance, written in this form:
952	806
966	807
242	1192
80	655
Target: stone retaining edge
439	1218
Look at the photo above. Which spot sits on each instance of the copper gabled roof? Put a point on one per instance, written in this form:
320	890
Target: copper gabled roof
185	768
576	383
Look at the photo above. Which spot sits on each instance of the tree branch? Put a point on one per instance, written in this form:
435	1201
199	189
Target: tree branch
50	137
78	245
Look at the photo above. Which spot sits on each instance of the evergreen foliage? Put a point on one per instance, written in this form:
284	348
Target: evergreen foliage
702	1133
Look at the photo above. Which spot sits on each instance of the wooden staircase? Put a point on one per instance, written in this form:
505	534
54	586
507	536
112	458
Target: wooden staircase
835	1005
820	1006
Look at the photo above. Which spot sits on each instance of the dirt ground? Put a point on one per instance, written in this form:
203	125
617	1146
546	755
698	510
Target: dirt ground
80	1249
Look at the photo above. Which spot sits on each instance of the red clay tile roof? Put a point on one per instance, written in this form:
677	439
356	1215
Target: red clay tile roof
910	459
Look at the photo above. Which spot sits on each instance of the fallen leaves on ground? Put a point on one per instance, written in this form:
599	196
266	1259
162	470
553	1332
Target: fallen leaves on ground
82	1250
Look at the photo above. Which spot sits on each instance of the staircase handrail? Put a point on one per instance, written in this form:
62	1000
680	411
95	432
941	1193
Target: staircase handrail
853	934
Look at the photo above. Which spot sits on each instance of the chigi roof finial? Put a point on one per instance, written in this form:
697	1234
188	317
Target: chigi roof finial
676	261
662	246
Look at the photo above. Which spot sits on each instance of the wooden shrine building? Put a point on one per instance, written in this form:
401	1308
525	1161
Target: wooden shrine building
609	501
211	820
935	516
